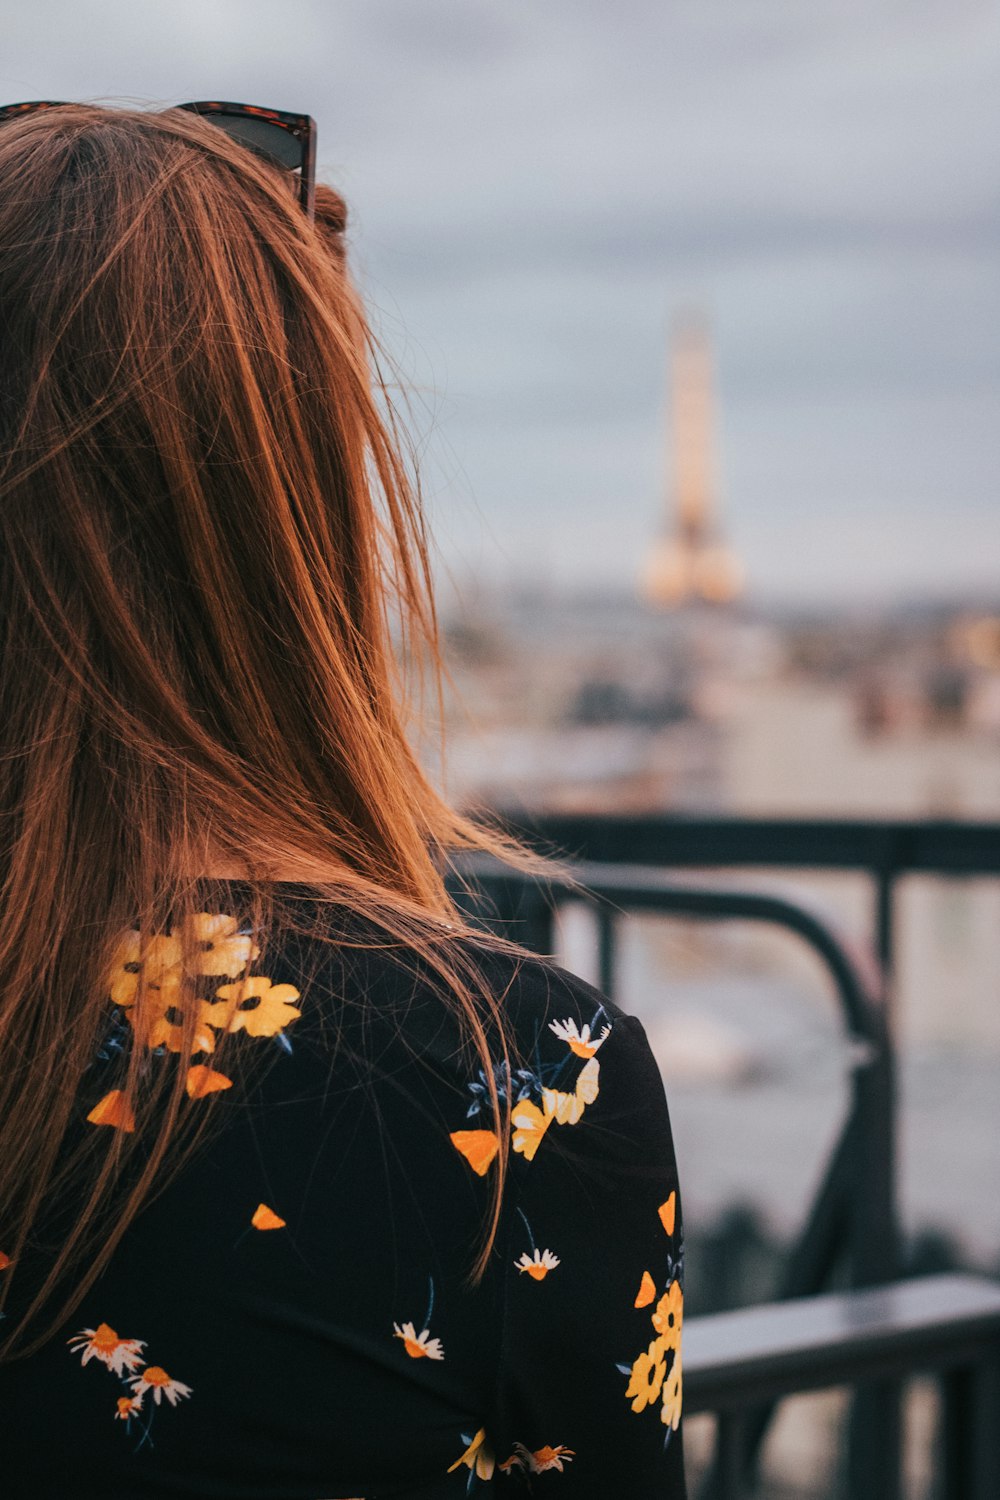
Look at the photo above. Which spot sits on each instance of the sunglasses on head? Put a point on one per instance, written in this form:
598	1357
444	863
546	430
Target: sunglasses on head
285	140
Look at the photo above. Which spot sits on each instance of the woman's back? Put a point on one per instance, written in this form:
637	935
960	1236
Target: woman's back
287	1209
290	1319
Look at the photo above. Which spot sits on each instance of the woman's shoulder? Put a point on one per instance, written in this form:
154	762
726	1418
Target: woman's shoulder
518	1024
360	973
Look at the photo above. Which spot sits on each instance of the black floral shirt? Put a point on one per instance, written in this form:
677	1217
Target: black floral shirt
292	1318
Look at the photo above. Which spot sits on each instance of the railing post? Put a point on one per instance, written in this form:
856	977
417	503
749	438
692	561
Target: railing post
970	1432
606	950
875	1434
725	1477
885	938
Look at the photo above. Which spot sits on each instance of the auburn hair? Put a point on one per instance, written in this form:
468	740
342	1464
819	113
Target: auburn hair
211	560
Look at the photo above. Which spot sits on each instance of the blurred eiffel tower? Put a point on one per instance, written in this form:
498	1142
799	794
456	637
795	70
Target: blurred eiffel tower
690	562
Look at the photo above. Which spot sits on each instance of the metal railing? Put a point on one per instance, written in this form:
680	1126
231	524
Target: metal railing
885	850
853	1223
946	1324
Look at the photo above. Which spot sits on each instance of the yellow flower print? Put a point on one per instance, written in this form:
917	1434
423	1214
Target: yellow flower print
479	1147
418	1345
579	1039
646	1292
272	1013
646	1379
587	1083
668	1315
222	949
266	1218
529	1126
530	1123
478	1457
127	1407
202	1080
160	966
568	1108
121	1356
667	1212
539	1265
163	1032
155	1379
670	1414
541	1459
113	1110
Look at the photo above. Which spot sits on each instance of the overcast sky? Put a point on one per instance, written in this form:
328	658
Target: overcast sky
537	188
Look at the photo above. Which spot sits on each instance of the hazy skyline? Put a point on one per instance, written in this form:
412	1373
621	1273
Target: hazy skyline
536	191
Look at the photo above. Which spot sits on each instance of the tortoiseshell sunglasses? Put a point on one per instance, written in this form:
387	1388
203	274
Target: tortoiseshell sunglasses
285	139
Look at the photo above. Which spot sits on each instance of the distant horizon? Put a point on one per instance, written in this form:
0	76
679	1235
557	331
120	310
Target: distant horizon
971	599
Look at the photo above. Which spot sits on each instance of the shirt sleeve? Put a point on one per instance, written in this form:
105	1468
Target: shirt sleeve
590	1375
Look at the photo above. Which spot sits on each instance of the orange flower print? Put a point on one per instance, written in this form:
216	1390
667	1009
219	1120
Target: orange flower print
114	1110
568	1108
202	1080
538	1265
668	1315
670	1415
121	1356
478	1457
668	1212
161	1031
646	1292
479	1147
128	1406
579	1039
266	1218
418	1345
646	1379
159	966
236	1011
541	1459
222	948
529	1126
5	1261
155	1379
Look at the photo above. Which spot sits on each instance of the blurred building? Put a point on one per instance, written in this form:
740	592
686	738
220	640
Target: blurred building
691	561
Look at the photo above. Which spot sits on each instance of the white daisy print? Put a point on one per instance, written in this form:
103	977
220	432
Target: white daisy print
418	1345
538	1265
578	1038
121	1356
154	1378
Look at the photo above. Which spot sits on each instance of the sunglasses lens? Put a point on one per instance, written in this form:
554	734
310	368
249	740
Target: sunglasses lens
272	141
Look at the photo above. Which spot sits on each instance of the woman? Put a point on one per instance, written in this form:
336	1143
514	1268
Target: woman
307	1189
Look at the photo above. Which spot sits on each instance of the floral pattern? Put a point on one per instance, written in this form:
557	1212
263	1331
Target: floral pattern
553	1090
538	1461
216	948
125	1358
418	1345
651	1377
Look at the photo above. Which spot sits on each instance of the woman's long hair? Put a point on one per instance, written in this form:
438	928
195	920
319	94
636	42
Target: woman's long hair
207	542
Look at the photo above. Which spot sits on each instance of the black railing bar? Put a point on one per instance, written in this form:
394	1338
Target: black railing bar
900	846
725	1477
969	1444
607	946
734	1359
